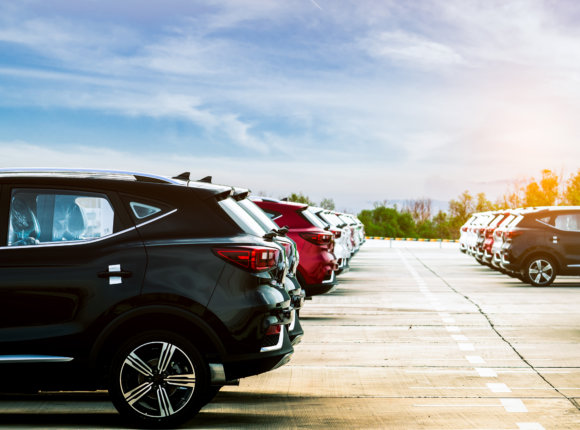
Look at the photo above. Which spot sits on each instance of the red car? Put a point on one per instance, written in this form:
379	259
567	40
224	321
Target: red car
317	267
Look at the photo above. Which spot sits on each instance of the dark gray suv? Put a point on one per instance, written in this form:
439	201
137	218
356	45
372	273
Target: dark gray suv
543	243
154	289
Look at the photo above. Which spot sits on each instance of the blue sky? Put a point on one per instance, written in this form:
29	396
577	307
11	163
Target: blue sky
360	101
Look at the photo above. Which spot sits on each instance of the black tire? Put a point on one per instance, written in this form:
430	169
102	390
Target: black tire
158	380
539	271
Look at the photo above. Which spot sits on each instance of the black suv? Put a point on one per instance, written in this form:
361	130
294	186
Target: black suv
542	243
152	288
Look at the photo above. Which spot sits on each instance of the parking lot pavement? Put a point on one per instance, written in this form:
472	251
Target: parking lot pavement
416	336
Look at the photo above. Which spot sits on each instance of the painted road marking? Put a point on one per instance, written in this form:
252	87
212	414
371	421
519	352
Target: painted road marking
485	372
530	426
459	337
513	405
452	328
449	320
474	359
498	388
466	346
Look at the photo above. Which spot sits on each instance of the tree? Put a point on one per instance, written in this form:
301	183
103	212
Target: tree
327	204
483	204
300	198
419	209
462	208
572	193
544	193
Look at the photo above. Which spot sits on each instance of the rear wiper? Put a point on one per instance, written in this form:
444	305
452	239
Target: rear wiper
282	231
270	235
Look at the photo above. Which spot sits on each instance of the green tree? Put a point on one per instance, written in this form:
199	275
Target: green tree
462	208
483	204
572	192
327	204
300	198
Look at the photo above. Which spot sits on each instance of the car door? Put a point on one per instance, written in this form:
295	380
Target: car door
566	238
69	260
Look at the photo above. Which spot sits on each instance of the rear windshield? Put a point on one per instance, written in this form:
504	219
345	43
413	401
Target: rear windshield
258	214
516	220
313	219
331	219
241	217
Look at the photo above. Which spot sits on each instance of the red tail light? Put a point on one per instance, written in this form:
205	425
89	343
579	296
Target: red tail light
510	234
287	247
252	258
274	329
317	238
463	228
337	233
489	232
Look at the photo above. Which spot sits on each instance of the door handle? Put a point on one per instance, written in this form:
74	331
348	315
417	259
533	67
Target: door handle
121	274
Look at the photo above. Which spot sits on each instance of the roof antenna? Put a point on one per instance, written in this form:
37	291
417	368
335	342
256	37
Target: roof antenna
183	176
207	179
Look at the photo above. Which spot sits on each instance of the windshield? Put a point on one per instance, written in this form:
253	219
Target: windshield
241	217
258	214
332	219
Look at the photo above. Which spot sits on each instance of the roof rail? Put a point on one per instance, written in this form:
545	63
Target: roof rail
88	173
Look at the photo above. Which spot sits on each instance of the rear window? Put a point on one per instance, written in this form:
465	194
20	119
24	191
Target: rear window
313	219
241	217
331	219
258	214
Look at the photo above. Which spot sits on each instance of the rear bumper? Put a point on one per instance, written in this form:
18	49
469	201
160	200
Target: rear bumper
324	287
241	366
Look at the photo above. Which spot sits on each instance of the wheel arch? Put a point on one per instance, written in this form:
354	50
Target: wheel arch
160	317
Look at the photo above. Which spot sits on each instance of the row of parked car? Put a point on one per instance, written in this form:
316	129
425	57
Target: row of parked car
160	290
532	244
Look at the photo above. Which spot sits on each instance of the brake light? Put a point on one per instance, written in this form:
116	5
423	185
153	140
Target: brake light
287	247
489	232
317	238
463	228
252	258
274	329
510	234
337	233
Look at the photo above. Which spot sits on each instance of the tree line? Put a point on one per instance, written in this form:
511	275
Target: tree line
414	219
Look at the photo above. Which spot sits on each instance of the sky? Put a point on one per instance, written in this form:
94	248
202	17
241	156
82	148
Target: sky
358	101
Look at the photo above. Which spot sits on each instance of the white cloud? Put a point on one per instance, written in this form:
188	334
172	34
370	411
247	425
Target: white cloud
410	49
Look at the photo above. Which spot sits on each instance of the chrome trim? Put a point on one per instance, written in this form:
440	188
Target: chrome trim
292	320
573	265
156	218
83	242
278	345
84	173
332	278
7	359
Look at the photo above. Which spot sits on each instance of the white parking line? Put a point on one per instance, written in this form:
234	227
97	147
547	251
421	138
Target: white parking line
530	426
513	405
474	359
452	329
459	337
449	320
498	388
486	372
466	346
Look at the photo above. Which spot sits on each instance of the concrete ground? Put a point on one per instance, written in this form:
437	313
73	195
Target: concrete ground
416	336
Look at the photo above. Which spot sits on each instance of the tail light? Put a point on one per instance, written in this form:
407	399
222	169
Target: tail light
318	238
288	248
489	232
463	228
510	234
274	329
337	233
252	258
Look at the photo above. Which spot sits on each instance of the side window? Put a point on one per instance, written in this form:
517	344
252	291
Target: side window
546	220
142	211
46	216
570	222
